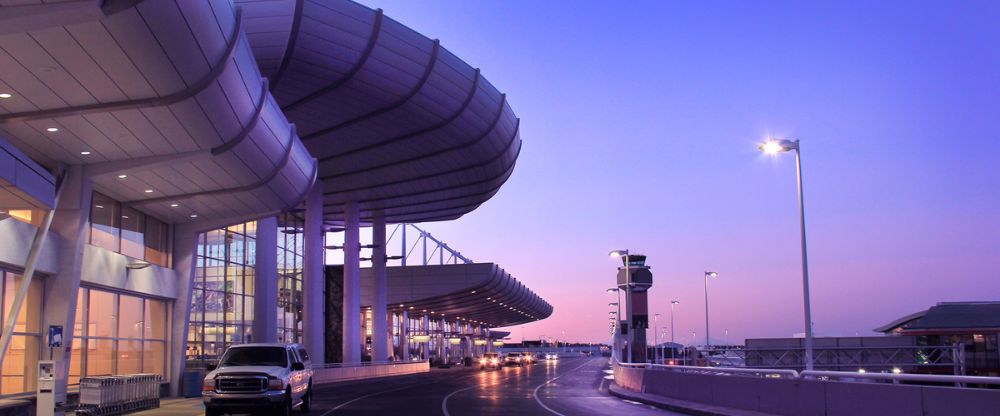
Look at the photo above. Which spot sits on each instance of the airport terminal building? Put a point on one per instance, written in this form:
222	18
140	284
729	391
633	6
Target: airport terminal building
173	174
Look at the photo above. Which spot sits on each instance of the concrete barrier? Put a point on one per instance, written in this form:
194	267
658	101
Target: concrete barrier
783	396
335	374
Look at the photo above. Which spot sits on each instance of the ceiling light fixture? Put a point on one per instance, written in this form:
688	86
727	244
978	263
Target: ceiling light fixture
122	176
52	129
5	95
148	191
85	152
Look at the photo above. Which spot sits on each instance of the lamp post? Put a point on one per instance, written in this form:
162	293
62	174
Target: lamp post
655	339
672	304
774	146
628	299
618	315
707	275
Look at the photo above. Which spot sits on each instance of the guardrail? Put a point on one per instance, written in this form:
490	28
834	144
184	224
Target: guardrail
848	376
113	395
363	364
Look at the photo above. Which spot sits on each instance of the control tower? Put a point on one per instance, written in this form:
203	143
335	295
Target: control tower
634	279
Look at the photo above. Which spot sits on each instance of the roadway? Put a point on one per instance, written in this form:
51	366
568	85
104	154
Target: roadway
569	387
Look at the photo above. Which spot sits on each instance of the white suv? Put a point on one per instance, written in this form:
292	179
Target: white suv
254	377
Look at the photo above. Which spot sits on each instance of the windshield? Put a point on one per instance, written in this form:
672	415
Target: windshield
264	356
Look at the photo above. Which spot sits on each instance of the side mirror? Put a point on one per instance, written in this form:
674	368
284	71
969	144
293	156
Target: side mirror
298	366
211	367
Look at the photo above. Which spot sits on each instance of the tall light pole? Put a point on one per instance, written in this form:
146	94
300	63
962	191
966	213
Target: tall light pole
672	304
655	339
774	146
618	316
707	275
628	299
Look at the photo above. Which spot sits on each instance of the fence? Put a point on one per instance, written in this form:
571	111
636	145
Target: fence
114	395
334	372
937	359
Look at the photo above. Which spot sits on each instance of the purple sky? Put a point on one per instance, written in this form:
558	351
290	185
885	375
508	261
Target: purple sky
640	123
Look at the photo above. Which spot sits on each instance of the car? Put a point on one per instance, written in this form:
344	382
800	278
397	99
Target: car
513	358
528	358
271	377
490	360
551	356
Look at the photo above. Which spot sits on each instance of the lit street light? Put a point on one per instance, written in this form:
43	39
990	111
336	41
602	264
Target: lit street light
707	275
655	320
773	146
672	304
628	298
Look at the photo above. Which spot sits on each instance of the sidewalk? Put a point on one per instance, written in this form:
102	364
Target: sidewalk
678	405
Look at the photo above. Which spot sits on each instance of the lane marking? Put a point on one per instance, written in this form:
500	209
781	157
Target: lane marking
535	393
444	402
367	396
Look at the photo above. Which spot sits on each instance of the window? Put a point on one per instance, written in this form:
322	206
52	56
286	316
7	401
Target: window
30	216
118	334
125	230
222	300
290	243
20	365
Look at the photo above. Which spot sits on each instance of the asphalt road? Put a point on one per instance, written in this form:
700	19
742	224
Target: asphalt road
569	387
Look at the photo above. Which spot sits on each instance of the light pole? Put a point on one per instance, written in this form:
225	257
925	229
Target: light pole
663	357
628	299
618	316
655	339
707	275
672	304
773	146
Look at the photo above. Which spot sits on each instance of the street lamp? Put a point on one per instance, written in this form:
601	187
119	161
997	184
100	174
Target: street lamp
618	316
773	146
707	275
672	304
628	298
655	340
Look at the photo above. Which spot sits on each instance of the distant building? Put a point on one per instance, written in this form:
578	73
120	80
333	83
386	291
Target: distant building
974	325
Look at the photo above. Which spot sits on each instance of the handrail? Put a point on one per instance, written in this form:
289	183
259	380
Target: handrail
935	378
365	364
812	374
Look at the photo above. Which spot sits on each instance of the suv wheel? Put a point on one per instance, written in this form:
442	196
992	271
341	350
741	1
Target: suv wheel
286	407
307	400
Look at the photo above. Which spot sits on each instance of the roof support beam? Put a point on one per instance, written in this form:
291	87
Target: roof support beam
372	40
293	37
190	91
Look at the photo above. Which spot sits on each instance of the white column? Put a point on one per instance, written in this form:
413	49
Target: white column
352	284
265	300
426	325
184	255
404	333
314	277
380	330
70	221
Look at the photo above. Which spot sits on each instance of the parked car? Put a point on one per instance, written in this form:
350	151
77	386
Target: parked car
490	360
513	358
270	377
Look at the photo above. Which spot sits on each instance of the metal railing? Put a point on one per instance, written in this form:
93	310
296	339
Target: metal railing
961	381
853	357
114	395
364	364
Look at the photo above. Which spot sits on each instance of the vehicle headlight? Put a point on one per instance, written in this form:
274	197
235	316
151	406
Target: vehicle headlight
482	361
208	384
275	384
494	361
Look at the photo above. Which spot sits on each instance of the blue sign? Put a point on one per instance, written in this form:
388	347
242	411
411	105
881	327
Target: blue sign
55	336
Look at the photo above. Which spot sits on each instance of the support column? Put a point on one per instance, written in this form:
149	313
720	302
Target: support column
70	221
424	346
184	256
352	283
313	277
380	330
404	336
265	300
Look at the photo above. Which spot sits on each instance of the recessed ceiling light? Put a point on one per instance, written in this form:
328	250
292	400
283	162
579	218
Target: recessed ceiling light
5	95
194	215
125	216
122	176
84	153
99	206
148	191
174	205
52	129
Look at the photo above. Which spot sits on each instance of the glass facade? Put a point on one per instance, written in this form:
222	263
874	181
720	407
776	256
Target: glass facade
223	293
124	230
290	249
118	334
18	374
